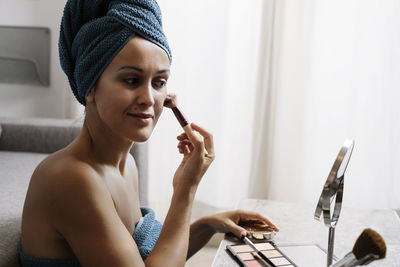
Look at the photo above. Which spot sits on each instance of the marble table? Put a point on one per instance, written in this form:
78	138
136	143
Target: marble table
298	227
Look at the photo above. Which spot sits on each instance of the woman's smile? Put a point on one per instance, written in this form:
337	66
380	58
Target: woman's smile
143	118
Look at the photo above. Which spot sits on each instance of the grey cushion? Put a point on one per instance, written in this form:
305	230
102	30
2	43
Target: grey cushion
16	169
37	135
49	135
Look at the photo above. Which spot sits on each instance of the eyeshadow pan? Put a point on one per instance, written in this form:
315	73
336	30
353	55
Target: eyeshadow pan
279	261
242	248
252	263
264	246
271	253
246	256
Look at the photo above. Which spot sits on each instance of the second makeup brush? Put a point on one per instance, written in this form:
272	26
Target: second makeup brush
251	244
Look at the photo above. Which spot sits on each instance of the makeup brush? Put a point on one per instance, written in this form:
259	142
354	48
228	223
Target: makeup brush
251	244
171	102
369	246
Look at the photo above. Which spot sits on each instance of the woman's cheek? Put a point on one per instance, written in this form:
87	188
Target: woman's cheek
159	103
157	112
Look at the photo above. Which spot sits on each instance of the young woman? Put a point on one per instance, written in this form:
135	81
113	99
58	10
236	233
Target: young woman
82	206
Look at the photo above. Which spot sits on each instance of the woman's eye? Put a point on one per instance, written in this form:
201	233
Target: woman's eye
132	81
159	83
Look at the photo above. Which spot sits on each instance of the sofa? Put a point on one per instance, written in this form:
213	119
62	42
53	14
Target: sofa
24	142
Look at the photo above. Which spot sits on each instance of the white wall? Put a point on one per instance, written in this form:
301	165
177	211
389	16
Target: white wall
18	100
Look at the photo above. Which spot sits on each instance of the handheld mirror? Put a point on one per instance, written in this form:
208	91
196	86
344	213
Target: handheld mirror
330	201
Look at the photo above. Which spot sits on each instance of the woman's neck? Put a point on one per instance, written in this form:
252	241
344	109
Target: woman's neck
103	145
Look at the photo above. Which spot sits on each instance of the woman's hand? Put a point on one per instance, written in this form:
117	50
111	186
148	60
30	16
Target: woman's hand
229	222
197	147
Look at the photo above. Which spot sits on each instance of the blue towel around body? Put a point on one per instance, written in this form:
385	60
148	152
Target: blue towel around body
145	235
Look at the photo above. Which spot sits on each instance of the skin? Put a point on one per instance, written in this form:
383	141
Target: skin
82	201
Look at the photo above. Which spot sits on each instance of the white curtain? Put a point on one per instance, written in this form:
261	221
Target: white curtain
214	73
281	84
335	75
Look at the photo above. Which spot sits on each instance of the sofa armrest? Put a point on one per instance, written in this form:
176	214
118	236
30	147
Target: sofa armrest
139	152
37	135
41	135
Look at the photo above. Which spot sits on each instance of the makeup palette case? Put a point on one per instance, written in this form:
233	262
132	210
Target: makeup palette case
245	256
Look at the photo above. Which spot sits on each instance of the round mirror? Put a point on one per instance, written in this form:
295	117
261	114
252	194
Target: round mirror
332	193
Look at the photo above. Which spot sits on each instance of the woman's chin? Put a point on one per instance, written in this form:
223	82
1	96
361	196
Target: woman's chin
140	137
140	140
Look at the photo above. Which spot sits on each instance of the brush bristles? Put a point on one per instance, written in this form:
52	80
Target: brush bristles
369	242
170	101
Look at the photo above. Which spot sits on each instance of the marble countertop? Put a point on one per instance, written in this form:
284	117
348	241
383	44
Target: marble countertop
298	226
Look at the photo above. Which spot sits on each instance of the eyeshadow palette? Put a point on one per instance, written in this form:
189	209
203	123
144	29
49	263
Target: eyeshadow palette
246	256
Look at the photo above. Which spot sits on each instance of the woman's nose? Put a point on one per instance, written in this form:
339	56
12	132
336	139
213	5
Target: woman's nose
146	95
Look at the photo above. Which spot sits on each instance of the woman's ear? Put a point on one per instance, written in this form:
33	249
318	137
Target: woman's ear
90	96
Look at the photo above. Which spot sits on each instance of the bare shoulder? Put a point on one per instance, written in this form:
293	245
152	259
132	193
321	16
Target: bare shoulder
79	206
62	171
64	181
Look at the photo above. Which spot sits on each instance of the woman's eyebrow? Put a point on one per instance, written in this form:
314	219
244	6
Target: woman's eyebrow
141	70
130	67
163	71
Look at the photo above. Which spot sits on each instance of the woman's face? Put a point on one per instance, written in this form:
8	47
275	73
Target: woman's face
130	94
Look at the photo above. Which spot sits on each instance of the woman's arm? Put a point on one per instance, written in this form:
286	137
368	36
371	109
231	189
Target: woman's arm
200	233
172	246
204	228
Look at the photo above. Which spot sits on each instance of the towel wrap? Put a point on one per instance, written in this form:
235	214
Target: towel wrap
145	235
94	31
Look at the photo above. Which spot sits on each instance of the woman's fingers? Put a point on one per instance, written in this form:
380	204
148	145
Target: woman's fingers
236	229
202	141
231	222
185	146
207	137
254	216
182	136
195	139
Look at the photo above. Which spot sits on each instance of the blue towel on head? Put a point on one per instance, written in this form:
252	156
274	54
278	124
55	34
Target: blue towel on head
94	31
145	235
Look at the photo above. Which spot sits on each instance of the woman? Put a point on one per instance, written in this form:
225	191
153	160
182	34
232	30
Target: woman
82	206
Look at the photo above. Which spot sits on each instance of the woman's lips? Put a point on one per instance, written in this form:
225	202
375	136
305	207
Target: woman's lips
142	118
